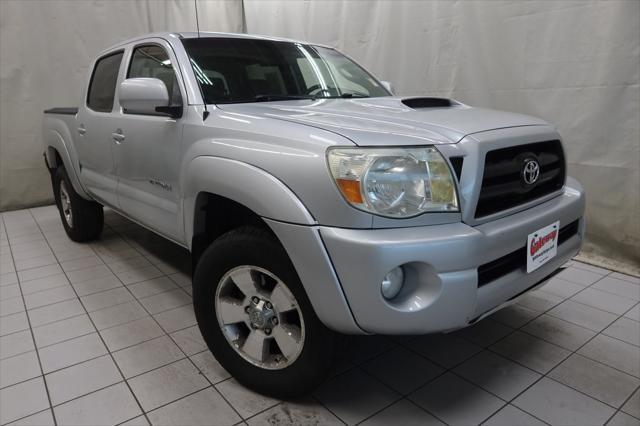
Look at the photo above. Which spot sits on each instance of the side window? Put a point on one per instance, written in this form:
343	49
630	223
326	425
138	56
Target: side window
153	61
103	83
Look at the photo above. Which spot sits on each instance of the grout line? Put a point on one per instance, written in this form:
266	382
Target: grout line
33	339
542	375
574	352
623	404
32	414
358	364
25	380
178	346
105	346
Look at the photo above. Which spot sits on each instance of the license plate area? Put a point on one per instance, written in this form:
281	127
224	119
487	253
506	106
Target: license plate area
542	246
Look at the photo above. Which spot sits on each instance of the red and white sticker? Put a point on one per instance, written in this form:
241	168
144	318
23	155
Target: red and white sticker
542	246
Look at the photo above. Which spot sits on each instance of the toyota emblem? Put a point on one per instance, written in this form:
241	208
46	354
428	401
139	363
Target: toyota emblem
530	171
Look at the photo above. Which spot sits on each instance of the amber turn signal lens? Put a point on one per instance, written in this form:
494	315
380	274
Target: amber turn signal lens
351	190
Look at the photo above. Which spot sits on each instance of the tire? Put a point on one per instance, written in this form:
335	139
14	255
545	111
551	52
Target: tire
255	255
82	219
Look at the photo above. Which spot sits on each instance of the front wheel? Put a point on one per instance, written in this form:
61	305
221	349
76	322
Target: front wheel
256	318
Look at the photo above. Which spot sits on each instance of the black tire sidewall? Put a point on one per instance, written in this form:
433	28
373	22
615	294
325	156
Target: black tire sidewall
88	217
260	249
59	177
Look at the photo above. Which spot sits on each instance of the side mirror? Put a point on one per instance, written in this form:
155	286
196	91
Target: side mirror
145	96
388	86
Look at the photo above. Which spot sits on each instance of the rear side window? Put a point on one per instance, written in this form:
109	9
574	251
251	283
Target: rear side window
102	87
153	61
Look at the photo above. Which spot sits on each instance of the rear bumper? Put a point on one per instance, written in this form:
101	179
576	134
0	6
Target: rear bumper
441	262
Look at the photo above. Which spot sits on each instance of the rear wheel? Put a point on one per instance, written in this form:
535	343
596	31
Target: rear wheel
256	318
82	219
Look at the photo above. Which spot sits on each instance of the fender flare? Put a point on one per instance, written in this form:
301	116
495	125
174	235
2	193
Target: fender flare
248	185
288	218
55	138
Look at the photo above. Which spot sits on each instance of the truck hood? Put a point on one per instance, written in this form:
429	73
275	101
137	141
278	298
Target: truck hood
388	120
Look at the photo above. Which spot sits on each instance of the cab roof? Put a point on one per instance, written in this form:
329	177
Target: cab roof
206	34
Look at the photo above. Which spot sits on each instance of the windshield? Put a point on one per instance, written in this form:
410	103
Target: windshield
232	70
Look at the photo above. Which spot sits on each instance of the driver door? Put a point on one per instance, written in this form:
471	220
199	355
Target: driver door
148	156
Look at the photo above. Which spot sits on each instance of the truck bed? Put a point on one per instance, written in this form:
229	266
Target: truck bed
62	110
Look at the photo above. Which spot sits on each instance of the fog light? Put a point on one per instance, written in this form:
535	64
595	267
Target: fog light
392	283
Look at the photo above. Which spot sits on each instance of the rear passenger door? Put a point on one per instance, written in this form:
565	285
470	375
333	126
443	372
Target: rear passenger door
94	139
148	158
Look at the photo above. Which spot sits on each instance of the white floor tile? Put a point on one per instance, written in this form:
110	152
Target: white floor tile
55	312
70	352
131	333
614	353
16	343
146	356
498	375
112	405
13	322
303	411
355	396
595	379
210	367
81	379
245	401
189	340
43	418
456	401
19	368
23	399
86	386
106	299
66	329
558	404
402	412
166	384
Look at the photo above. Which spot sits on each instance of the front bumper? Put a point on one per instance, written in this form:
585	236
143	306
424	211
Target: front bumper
441	263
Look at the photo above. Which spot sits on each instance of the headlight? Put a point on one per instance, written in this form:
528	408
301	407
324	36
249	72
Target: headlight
394	182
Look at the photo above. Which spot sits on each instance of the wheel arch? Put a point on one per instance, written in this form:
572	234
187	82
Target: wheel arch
247	186
222	194
214	215
59	150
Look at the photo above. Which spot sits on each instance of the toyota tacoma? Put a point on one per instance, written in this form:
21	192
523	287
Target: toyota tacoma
314	202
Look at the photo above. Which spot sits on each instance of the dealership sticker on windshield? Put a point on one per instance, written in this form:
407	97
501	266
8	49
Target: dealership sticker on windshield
542	245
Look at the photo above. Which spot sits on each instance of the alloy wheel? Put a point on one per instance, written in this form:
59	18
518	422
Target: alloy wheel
260	317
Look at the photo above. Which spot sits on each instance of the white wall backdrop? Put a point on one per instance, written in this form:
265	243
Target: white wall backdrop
45	49
575	64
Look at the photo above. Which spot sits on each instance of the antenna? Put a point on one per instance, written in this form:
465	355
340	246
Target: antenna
195	3
205	114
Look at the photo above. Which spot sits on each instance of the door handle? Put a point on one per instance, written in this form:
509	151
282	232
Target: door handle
82	130
118	136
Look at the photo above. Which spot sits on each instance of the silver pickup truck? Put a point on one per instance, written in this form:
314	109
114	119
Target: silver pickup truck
315	203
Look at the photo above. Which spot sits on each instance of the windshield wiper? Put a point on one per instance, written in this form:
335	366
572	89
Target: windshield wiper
353	95
346	95
267	98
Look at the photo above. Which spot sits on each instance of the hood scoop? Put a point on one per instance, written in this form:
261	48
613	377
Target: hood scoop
418	103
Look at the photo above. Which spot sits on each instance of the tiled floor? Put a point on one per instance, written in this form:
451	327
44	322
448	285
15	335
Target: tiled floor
104	333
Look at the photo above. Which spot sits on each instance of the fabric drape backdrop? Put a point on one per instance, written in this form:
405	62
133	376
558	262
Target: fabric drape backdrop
46	47
575	64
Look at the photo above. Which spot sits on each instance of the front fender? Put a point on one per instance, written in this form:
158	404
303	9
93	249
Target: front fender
243	183
289	219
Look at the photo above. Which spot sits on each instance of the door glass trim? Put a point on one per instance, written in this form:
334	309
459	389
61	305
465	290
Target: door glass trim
93	73
174	68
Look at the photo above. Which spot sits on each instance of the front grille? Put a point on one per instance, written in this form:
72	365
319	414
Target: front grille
502	183
518	259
